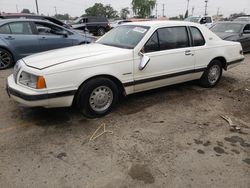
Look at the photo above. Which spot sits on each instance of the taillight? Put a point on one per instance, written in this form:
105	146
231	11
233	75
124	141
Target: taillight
241	52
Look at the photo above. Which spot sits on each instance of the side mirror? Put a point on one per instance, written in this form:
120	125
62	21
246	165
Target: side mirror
144	61
246	32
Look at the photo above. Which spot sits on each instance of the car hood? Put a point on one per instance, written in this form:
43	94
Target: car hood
225	36
66	55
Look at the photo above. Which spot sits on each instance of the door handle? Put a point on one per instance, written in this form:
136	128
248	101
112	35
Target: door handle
188	52
43	38
9	38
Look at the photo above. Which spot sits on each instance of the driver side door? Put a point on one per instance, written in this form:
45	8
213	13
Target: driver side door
245	38
49	38
171	59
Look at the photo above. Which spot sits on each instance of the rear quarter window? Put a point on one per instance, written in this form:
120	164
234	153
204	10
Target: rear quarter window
198	39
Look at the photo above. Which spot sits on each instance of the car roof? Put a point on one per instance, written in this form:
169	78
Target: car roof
163	23
3	21
234	22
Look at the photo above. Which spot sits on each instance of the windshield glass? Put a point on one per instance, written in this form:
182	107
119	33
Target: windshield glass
193	19
227	27
242	19
126	36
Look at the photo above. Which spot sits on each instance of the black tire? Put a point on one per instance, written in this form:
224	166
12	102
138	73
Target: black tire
6	59
101	31
88	95
210	79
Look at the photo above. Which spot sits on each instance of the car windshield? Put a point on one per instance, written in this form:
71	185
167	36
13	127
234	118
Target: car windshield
227	27
126	36
193	19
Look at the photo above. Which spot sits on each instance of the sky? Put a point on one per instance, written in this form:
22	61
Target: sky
172	7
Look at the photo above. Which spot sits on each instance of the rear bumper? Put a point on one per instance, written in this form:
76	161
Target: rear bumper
34	99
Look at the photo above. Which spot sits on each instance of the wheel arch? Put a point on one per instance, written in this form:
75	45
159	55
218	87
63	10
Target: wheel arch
222	60
112	78
7	49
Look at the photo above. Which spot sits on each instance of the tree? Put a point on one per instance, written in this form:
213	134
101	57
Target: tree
143	8
25	10
124	13
100	10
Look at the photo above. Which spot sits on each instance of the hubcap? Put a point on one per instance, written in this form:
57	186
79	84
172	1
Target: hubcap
214	74
5	59
101	98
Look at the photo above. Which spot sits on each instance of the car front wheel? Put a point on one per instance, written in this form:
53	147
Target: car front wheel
212	75
6	59
97	97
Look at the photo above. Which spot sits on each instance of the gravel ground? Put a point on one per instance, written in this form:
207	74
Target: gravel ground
169	137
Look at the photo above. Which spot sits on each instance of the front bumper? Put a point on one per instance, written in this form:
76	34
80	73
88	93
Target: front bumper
29	97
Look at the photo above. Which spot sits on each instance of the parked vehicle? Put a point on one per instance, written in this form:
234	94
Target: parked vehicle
23	37
96	25
245	18
130	58
234	31
32	16
204	20
118	22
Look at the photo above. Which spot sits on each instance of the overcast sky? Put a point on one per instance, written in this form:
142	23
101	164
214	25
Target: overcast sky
172	7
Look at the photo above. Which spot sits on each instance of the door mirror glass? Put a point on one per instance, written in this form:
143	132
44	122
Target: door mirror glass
144	61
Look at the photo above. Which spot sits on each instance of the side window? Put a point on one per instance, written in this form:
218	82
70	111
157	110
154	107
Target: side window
198	39
173	37
5	29
247	27
20	28
208	20
47	29
152	45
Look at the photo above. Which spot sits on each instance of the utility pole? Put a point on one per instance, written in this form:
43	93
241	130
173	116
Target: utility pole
156	10
17	8
187	4
206	1
218	11
163	10
192	11
37	10
55	10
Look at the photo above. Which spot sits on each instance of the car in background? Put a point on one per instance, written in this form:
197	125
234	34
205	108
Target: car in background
234	31
204	20
118	22
33	16
131	58
96	25
23	37
243	19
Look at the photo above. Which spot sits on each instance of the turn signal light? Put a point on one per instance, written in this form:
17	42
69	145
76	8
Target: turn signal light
41	84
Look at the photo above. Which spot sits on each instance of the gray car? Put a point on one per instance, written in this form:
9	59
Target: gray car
234	31
23	37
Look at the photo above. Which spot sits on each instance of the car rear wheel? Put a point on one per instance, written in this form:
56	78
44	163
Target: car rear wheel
97	97
212	75
6	59
101	31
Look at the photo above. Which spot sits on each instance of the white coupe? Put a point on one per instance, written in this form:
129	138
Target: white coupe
130	58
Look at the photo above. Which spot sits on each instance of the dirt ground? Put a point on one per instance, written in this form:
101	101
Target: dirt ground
169	137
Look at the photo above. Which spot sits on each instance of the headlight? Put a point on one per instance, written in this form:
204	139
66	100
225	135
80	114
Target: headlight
33	81
17	68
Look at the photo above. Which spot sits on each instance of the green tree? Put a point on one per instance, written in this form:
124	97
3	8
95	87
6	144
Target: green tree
100	10
25	10
124	13
143	8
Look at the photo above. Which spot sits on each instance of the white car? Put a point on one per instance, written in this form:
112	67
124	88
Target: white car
205	20
130	58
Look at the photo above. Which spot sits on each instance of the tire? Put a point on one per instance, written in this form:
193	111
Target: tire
212	75
101	31
6	59
97	97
